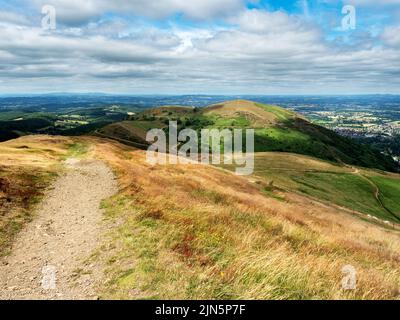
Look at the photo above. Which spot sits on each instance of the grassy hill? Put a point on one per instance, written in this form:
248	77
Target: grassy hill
291	154
14	124
200	232
281	174
276	129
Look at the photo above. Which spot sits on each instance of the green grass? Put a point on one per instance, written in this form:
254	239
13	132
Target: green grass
280	139
390	192
290	134
282	114
327	182
155	239
181	253
344	189
133	131
145	125
221	122
77	150
202	233
195	241
272	194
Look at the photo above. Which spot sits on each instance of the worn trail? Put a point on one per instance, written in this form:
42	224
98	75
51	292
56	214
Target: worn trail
49	258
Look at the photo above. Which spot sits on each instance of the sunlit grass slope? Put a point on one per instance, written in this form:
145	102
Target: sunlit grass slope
329	182
199	232
276	129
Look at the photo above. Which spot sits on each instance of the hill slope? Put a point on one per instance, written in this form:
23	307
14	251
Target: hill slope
276	129
327	174
200	232
359	190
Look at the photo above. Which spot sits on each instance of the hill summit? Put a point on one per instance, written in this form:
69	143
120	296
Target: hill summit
257	115
276	129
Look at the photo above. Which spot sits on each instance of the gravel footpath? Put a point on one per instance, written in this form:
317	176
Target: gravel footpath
48	257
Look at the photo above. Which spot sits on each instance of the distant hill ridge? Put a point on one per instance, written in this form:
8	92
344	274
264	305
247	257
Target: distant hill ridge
276	129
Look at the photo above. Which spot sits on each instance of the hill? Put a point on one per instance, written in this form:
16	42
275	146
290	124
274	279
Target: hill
312	161
358	190
276	129
200	232
71	121
255	114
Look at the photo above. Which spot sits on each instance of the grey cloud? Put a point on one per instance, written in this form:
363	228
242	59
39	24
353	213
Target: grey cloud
12	17
78	12
391	36
261	53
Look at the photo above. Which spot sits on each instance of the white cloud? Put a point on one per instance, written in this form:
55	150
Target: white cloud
12	17
257	52
360	3
73	12
83	11
264	21
263	33
373	2
391	36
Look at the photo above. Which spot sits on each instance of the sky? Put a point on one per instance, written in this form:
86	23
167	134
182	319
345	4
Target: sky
200	46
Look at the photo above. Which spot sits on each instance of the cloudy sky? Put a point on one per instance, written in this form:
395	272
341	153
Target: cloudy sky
200	46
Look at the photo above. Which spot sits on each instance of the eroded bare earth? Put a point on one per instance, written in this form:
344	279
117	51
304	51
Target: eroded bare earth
48	258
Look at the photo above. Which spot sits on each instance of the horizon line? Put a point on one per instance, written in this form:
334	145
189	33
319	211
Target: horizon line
13	94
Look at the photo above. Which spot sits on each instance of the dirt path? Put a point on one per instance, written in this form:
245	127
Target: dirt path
48	258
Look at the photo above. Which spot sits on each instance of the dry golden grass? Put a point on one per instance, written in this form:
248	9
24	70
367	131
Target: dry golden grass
27	166
257	115
39	151
280	160
198	232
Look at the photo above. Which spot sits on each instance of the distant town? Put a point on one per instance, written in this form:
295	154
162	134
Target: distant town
357	124
371	119
361	125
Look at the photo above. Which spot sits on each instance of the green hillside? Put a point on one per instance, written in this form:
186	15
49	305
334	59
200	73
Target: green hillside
292	154
281	174
276	129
